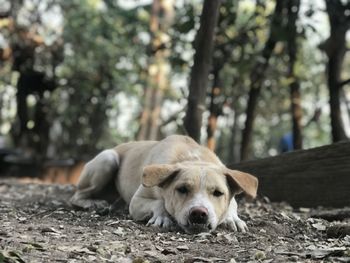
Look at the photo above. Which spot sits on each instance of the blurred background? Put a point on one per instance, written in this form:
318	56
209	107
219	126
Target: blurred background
80	76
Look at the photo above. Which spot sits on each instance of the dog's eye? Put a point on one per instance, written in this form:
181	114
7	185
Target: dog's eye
182	190
217	193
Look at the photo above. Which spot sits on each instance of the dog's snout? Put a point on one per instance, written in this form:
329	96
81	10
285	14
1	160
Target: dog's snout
198	215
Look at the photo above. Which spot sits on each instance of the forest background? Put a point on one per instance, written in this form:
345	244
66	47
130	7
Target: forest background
249	79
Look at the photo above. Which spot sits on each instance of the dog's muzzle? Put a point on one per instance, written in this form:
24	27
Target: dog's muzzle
198	220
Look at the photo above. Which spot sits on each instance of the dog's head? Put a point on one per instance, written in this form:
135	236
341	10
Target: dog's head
196	194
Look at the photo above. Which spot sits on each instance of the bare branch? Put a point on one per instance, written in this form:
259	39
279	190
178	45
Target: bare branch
343	83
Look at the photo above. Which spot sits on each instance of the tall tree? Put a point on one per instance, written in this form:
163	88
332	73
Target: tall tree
158	70
257	77
26	47
224	44
295	97
202	62
215	110
335	48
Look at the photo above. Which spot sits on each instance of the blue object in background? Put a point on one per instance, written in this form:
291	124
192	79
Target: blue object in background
286	143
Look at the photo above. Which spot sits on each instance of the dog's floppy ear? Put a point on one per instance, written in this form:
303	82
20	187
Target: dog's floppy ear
159	174
242	182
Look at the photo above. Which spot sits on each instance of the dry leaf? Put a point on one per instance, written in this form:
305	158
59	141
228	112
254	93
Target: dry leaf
182	247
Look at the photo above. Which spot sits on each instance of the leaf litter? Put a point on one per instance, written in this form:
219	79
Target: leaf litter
38	225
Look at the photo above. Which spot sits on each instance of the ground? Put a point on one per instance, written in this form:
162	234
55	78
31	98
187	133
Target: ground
38	225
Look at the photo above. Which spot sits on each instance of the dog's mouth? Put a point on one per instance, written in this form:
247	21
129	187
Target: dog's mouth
196	228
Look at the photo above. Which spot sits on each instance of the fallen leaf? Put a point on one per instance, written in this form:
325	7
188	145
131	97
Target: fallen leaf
203	259
140	260
10	256
49	230
168	251
119	231
35	246
319	226
231	238
323	253
182	247
22	219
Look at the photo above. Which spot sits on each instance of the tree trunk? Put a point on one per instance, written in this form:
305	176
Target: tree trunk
257	77
161	20
200	70
346	102
215	110
141	135
335	50
320	178
22	111
233	153
295	97
223	46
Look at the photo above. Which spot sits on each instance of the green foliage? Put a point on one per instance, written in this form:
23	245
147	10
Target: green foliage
103	56
102	51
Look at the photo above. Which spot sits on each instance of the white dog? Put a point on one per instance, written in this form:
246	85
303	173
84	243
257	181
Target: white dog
173	181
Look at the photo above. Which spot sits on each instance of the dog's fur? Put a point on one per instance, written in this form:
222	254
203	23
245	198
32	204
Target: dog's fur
171	180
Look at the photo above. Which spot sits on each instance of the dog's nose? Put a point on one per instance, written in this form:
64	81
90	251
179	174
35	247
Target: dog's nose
198	215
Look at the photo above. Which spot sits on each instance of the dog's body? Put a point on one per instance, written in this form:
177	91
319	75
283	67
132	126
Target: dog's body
173	179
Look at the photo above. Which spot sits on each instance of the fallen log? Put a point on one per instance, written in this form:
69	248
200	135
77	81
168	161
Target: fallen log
305	178
332	214
338	230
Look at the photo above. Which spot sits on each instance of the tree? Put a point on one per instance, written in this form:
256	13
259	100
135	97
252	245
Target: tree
335	48
80	91
105	60
257	77
202	62
215	110
71	76
27	49
293	7
224	45
158	70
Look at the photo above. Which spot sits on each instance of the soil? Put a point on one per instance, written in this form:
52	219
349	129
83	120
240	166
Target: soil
37	224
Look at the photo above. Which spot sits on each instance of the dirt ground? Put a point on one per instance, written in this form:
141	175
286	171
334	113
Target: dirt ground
38	225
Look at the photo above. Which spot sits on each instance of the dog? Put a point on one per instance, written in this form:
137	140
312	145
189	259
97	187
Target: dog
170	182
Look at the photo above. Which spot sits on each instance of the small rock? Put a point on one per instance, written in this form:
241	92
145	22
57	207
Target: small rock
260	255
294	258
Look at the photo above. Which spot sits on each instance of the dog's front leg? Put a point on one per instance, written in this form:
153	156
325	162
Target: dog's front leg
232	219
143	208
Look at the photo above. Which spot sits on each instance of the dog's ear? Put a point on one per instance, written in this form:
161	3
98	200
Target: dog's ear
242	182
159	174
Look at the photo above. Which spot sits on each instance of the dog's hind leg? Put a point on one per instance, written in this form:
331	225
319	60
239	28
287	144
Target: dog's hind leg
94	179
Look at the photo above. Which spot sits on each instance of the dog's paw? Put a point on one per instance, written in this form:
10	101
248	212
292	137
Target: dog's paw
162	221
236	224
